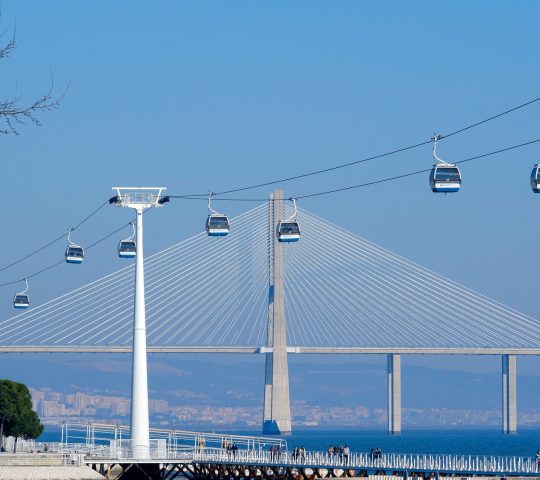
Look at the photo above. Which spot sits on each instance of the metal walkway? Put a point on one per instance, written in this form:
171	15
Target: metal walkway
209	455
324	465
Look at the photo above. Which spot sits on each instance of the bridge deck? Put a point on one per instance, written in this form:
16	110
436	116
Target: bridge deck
264	350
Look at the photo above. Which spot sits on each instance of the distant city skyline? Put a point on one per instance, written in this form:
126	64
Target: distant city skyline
55	408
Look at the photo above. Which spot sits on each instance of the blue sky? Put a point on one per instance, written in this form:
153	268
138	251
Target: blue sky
200	96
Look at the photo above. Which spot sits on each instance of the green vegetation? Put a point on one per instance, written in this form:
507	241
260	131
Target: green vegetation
17	418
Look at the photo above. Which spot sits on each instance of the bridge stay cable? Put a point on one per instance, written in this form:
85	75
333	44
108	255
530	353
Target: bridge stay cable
401	291
213	292
106	292
103	310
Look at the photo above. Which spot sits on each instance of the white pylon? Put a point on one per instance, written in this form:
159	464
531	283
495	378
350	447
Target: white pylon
139	198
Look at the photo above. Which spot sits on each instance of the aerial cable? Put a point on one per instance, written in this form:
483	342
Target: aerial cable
296	177
367	159
5	284
367	184
417	172
57	239
481	122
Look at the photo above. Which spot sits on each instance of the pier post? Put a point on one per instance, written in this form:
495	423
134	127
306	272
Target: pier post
277	407
394	393
509	394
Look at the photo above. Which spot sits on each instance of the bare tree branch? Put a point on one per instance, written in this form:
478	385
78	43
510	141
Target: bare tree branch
13	113
8	48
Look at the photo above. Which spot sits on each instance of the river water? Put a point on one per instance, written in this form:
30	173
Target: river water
464	442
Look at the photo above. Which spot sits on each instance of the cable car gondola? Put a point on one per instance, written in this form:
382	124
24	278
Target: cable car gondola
288	230
128	248
217	224
444	177
21	299
74	252
535	178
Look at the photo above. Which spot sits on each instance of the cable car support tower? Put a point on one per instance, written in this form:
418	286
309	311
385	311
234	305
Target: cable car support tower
139	199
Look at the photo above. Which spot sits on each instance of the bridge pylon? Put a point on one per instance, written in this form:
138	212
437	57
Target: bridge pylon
277	404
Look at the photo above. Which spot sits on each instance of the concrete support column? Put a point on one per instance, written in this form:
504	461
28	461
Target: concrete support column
394	393
277	407
509	393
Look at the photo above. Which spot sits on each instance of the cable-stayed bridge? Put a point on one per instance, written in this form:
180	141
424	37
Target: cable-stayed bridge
332	292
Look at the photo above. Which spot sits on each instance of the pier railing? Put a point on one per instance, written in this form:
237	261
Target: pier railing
97	433
107	442
389	461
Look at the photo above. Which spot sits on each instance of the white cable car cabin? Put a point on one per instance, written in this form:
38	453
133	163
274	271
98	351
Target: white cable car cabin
217	224
21	299
74	253
288	230
535	178
128	248
444	177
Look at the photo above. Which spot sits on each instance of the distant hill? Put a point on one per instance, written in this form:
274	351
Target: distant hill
238	380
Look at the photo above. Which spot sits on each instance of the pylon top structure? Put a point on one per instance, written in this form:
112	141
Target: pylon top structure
139	197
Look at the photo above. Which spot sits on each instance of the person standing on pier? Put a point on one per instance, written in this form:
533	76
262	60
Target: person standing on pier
346	453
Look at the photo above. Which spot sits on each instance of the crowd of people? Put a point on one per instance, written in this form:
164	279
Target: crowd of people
341	452
298	454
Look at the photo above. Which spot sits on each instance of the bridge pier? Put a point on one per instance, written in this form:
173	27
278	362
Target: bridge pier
277	405
394	393
509	393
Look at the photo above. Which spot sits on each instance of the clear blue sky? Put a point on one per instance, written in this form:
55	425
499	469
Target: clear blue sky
201	96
